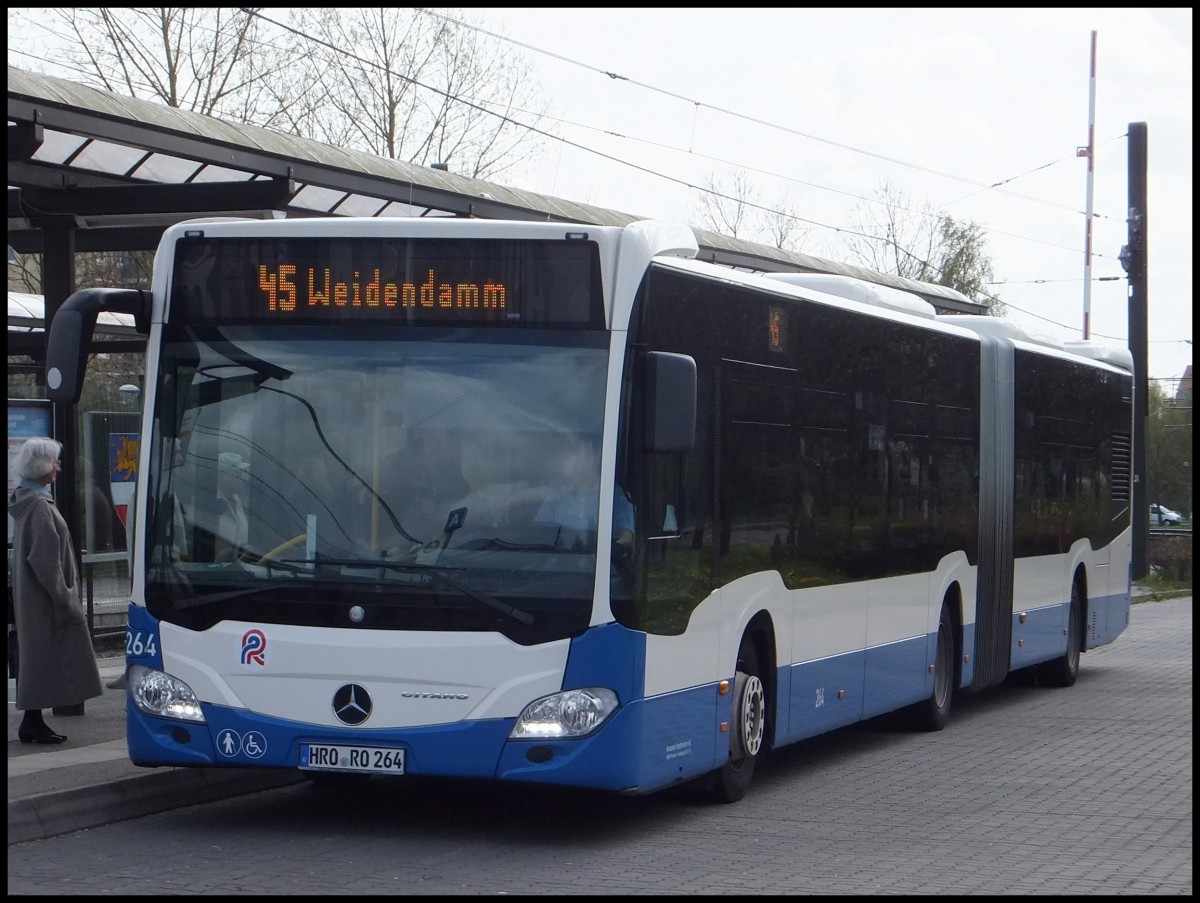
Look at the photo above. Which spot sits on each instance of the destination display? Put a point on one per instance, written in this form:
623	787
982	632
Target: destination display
387	281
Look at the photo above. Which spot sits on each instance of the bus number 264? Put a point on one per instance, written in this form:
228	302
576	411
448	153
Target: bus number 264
139	643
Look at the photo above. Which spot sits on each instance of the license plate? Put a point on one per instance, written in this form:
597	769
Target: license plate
342	757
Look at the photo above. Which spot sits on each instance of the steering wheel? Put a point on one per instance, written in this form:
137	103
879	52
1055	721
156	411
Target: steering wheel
282	547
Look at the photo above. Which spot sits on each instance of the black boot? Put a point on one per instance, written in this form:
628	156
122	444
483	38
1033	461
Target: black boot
34	729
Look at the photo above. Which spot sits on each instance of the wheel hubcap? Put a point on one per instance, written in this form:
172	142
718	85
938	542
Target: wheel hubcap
751	716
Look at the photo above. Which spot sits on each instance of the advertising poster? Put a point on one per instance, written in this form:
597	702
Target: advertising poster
122	471
110	442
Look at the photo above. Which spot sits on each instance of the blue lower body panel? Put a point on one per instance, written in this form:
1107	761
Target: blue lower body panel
241	739
646	745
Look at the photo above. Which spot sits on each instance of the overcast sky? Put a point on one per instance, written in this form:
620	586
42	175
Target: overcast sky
818	106
978	113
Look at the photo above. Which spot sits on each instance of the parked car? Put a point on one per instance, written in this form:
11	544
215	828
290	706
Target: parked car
1161	515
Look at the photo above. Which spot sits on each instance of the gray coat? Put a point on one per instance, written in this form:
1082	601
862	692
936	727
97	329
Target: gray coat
57	662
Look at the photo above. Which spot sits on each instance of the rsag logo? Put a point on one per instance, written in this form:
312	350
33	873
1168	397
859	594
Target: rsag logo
254	647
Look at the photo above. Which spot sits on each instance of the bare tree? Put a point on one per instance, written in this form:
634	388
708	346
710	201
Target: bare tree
783	227
92	269
488	100
208	60
25	274
892	237
129	269
410	85
732	209
924	245
727	209
403	83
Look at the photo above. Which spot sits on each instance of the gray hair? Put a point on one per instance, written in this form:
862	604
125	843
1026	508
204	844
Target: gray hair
36	457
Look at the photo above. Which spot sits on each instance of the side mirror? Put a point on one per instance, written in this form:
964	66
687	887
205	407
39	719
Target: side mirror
66	344
70	333
670	402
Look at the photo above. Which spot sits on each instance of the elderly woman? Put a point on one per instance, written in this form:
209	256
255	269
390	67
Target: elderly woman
57	665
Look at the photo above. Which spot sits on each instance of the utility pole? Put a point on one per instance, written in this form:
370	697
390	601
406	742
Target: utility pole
1090	153
1134	260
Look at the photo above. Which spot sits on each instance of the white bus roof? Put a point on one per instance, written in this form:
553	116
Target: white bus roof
859	290
997	326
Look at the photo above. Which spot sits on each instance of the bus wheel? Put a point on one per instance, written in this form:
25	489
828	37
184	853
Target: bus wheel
1062	671
932	714
747	728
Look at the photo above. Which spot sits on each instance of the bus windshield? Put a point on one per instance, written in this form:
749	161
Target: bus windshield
412	479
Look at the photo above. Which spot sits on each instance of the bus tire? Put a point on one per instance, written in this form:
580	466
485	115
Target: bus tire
747	729
1062	671
933	713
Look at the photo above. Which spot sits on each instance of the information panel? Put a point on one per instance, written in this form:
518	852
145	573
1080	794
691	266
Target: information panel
461	282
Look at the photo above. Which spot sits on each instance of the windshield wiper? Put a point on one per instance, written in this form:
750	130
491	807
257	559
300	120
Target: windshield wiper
229	595
439	574
172	577
497	543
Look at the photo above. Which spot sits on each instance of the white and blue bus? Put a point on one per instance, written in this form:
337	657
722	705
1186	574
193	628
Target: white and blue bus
794	502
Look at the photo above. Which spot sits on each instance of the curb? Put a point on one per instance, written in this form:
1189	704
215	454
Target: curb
1160	595
58	812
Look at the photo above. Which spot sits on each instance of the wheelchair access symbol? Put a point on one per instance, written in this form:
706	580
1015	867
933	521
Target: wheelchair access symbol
252	744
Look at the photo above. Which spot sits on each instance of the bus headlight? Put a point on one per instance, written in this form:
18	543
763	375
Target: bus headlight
572	713
163	696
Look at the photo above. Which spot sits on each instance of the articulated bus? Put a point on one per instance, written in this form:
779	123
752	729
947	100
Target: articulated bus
792	502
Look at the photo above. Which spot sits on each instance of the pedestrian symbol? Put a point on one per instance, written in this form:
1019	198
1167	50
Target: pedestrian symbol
229	743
